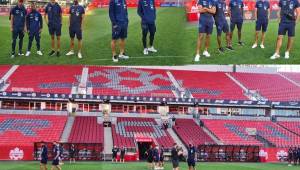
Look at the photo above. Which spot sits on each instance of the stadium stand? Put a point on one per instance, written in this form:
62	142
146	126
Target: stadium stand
189	132
45	79
127	127
235	132
272	86
130	82
293	76
86	130
26	129
293	126
209	85
4	69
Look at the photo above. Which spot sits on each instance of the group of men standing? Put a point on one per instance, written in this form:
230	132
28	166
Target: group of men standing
213	11
294	156
115	151
57	156
155	157
34	26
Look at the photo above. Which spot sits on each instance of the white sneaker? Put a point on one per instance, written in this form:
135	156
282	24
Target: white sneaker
12	56
39	53
197	58
206	54
145	51
115	58
20	54
70	53
275	56
262	46
254	46
123	56
27	54
152	49
286	55
79	55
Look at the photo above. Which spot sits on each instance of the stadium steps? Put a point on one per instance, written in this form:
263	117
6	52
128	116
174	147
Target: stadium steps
176	85
108	140
238	83
211	135
7	75
287	129
176	139
264	141
290	80
67	130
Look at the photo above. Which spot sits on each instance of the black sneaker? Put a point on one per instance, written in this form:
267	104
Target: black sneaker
52	53
241	43
57	54
221	50
115	58
229	48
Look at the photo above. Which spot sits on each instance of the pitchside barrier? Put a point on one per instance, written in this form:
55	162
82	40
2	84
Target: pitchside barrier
228	153
83	151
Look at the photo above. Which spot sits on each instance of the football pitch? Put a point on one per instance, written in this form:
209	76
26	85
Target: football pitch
175	40
142	166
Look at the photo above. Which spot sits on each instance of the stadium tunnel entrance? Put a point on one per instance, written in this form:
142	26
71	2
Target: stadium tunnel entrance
143	144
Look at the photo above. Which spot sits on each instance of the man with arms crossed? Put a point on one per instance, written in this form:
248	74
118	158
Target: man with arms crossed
207	9
119	20
147	11
222	25
289	16
75	27
262	15
236	12
17	26
53	18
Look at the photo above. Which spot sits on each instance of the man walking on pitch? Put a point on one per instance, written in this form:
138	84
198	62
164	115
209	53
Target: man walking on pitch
222	25
207	9
17	26
289	16
53	18
119	19
75	27
56	153
262	15
147	11
236	11
34	24
44	157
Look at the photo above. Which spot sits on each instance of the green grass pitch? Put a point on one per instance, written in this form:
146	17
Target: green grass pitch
142	166
175	40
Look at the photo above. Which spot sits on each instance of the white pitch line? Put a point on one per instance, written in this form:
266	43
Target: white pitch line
143	57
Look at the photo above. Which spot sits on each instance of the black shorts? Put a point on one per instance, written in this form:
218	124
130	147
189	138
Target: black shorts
175	163
55	162
287	28
114	156
261	26
72	155
119	31
150	160
161	159
191	162
122	156
238	24
54	29
44	161
75	32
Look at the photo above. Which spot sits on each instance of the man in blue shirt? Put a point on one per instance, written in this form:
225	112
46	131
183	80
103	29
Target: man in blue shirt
147	11
191	160
236	11
206	21
17	26
119	20
75	27
56	155
222	25
34	24
262	15
289	16
44	157
53	18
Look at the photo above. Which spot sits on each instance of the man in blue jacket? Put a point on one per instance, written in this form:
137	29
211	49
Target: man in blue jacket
53	18
119	20
262	15
17	26
289	16
34	24
236	11
147	11
75	27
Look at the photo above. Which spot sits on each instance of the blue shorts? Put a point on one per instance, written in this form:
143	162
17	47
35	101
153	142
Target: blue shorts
222	26
238	24
119	31
191	162
44	161
206	27
146	27
75	31
55	162
261	26
54	29
287	27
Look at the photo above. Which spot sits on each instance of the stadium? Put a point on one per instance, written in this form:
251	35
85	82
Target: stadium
175	38
239	117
